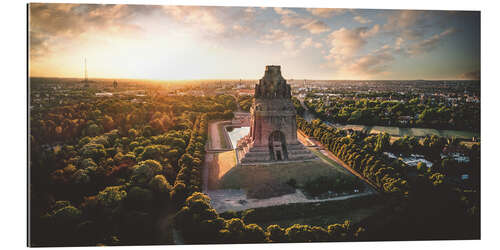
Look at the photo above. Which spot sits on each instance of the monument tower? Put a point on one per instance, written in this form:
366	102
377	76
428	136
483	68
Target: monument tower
273	125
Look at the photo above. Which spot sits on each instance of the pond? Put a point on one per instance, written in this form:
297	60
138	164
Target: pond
411	160
236	133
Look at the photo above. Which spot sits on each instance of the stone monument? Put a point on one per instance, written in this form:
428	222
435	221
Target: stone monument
273	125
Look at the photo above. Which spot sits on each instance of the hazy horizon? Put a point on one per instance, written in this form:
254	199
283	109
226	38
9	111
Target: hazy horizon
243	79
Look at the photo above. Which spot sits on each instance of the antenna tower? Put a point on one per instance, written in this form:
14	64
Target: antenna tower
86	75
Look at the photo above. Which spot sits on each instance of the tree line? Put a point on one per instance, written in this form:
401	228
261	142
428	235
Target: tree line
200	223
417	112
413	192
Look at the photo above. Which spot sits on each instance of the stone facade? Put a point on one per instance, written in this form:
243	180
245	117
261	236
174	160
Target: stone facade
273	127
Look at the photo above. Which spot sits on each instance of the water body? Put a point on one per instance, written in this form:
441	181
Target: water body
398	131
237	133
411	160
308	116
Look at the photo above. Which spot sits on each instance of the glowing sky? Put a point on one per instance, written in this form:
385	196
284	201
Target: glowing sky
177	42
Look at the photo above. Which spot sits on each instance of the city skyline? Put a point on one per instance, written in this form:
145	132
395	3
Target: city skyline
191	42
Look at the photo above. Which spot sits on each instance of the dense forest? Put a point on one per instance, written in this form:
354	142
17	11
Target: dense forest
415	112
104	170
245	102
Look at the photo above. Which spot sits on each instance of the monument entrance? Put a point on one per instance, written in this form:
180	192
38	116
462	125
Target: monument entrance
277	146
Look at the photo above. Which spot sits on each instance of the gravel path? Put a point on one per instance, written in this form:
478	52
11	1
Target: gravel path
223	200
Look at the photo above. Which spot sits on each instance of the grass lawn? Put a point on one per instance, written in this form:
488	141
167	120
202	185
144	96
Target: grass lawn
219	164
222	137
331	162
255	175
225	161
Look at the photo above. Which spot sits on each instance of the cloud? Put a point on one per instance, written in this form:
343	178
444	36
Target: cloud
74	19
294	21
405	23
402	19
279	36
282	38
448	31
316	27
326	13
241	29
362	20
205	18
39	44
282	11
250	10
472	75
347	42
428	44
290	18
53	26
373	63
399	43
414	24
50	25
308	42
344	57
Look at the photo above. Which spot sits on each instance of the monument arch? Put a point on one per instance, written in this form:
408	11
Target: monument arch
277	146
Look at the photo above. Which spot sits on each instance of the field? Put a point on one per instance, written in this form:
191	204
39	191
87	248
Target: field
255	175
331	162
225	162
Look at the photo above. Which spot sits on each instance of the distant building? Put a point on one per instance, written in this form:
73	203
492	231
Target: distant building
404	119
104	94
243	92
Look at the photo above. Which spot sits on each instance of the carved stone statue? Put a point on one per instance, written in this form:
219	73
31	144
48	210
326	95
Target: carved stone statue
272	85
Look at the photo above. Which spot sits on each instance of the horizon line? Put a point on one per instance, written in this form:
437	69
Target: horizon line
237	79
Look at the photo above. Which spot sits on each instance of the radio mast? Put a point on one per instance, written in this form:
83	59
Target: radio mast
86	77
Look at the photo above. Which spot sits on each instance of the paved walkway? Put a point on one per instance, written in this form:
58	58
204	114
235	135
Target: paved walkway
206	165
215	138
